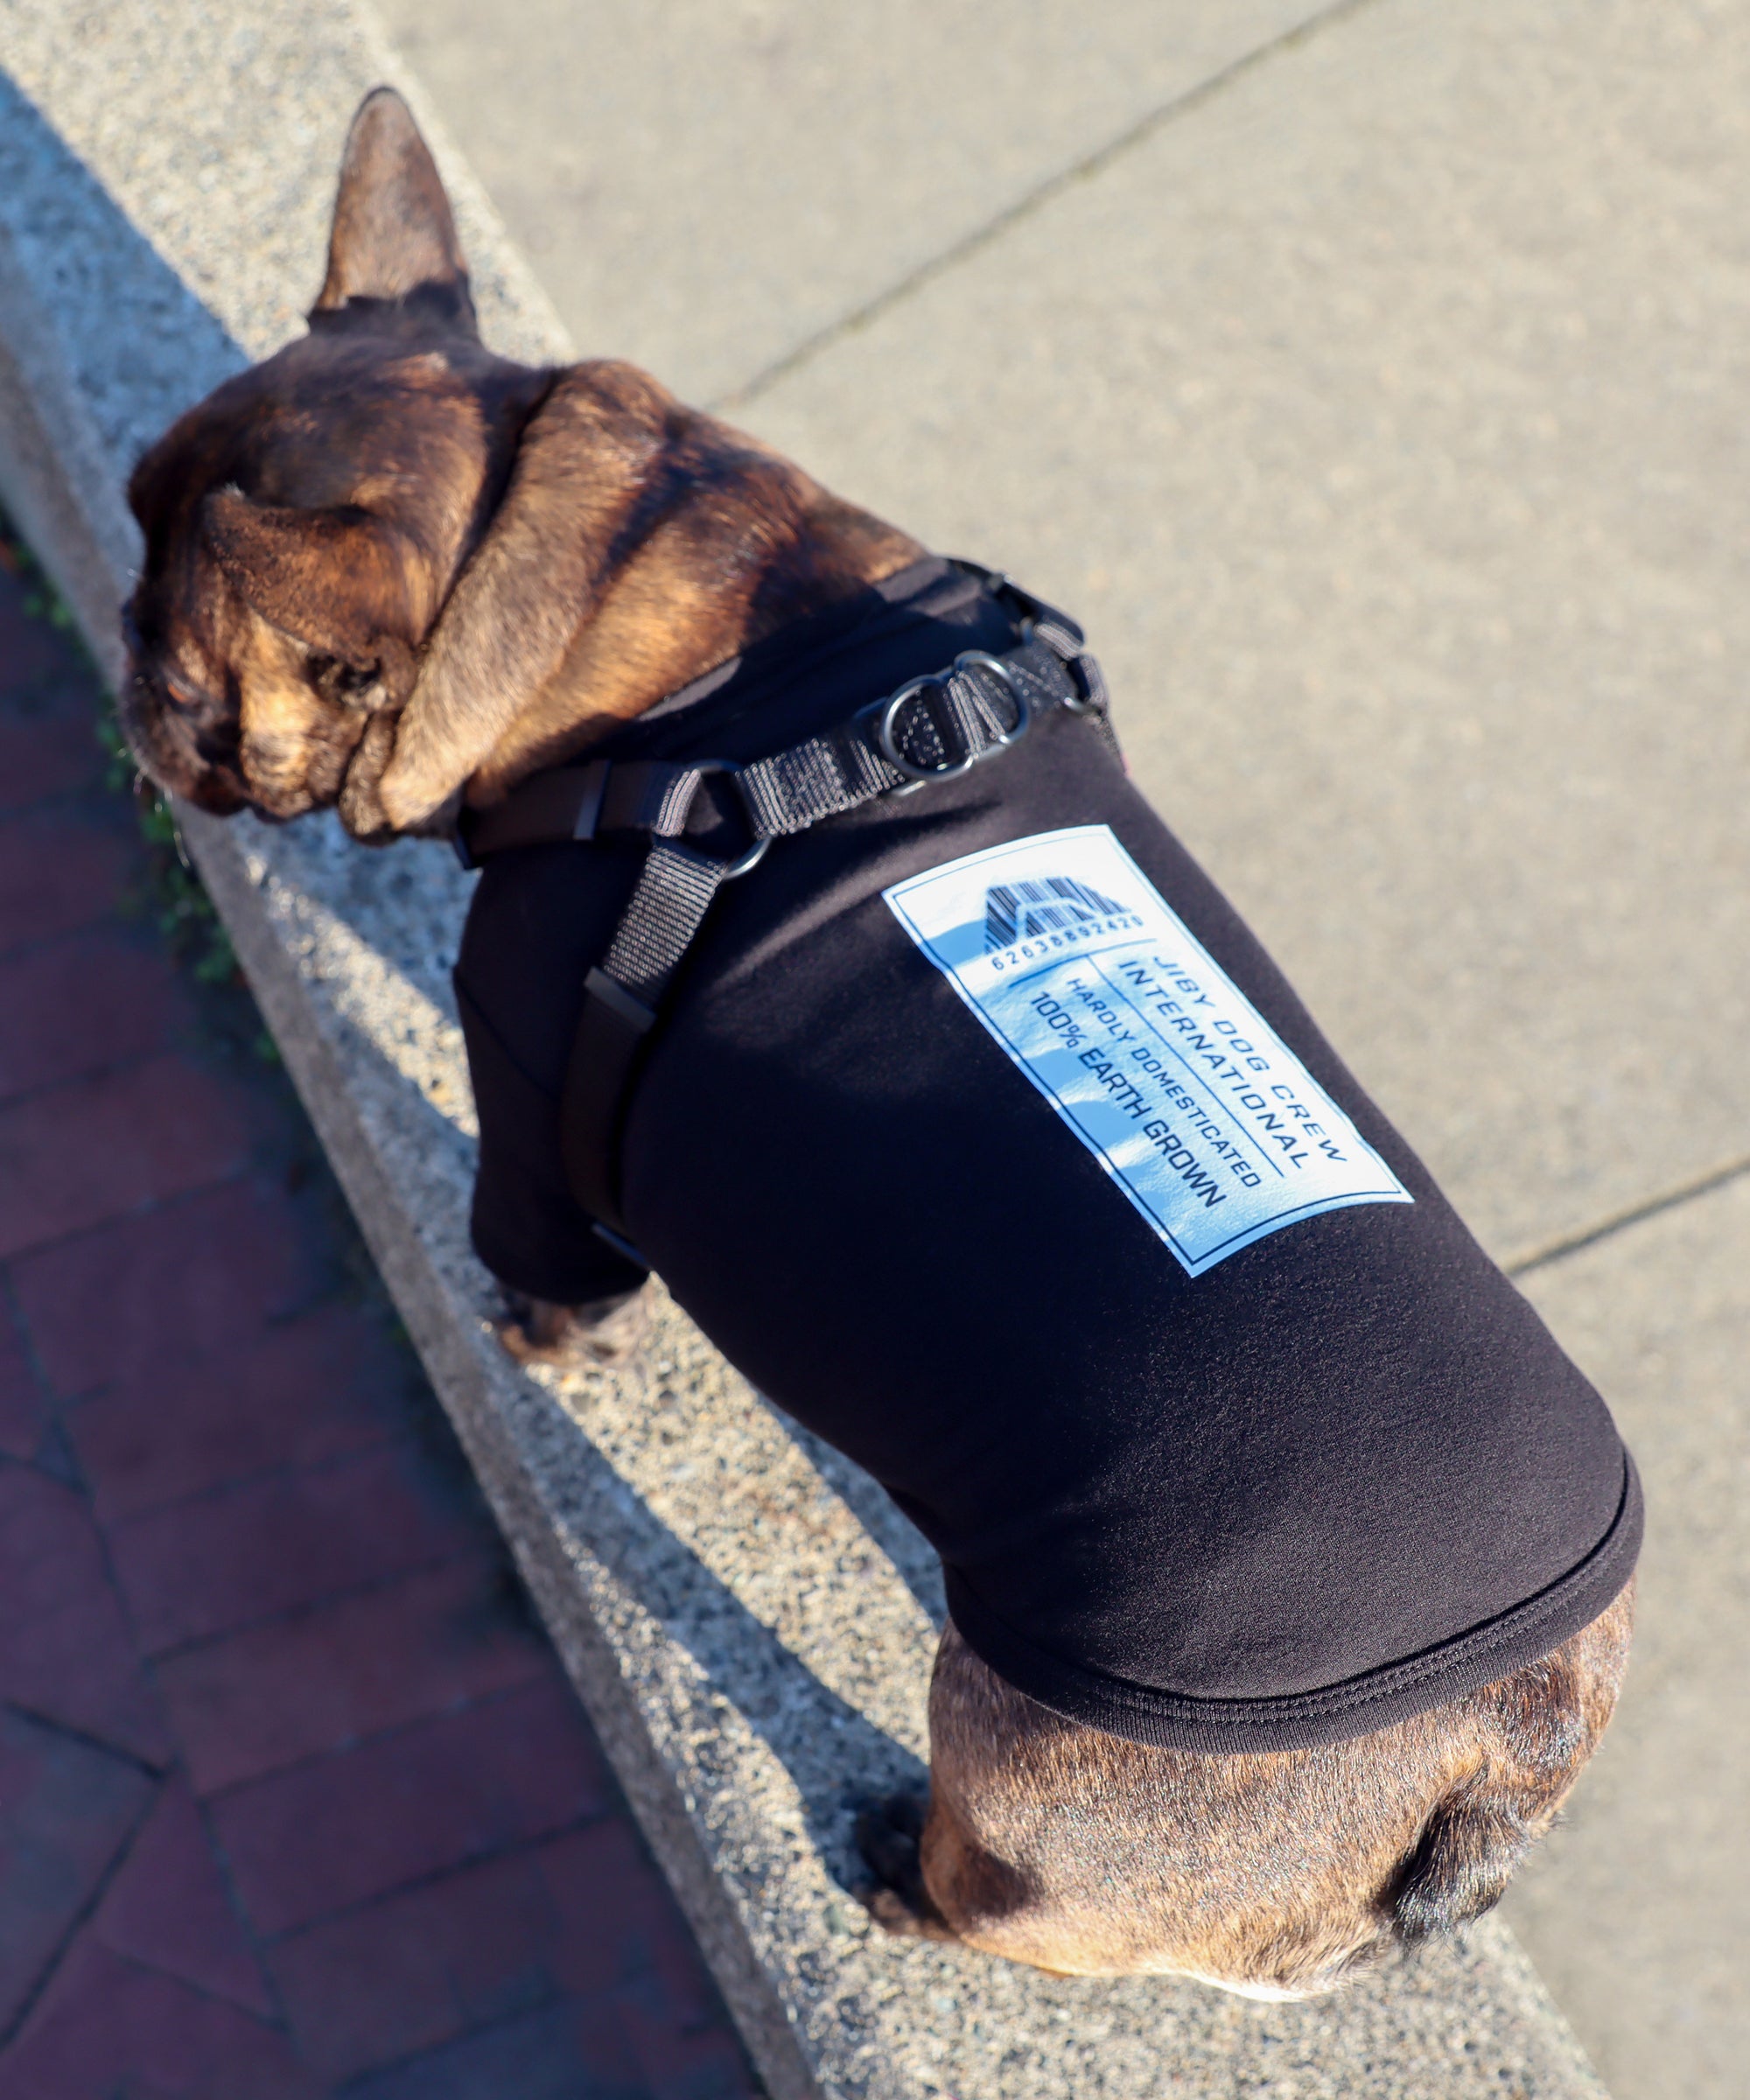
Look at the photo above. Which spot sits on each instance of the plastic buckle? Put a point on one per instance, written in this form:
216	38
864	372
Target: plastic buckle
1090	686
1025	607
745	863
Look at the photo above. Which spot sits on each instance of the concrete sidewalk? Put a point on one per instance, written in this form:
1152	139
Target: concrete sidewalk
1372	380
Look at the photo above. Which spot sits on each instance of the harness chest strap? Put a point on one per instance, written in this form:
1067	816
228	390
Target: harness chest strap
931	728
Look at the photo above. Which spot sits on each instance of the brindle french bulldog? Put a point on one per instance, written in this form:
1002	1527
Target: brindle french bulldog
593	545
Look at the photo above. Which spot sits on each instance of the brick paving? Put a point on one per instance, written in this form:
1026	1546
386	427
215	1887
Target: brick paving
295	1799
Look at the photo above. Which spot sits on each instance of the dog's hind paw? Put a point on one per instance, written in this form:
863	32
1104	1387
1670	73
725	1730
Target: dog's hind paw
892	1914
889	1836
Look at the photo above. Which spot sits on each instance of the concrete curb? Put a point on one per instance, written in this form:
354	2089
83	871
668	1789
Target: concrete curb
747	1620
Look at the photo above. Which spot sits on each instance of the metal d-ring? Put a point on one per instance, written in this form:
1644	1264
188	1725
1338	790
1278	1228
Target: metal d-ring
887	713
744	863
748	862
889	751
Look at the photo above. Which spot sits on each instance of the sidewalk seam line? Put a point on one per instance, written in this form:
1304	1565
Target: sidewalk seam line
411	1434
1673	1198
282	1614
353	2080
12	1313
251	1477
252	1937
147	1204
271	1942
311	1760
128	1061
139	1962
34	944
87	1912
1034	200
40	1717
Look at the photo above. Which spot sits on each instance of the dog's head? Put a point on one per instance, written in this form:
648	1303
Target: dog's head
303	523
386	567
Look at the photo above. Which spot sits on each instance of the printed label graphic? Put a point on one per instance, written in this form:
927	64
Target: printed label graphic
1090	982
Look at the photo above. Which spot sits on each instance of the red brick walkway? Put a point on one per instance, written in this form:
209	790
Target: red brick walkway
294	1799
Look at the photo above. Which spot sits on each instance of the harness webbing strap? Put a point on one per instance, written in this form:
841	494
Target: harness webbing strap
931	728
675	889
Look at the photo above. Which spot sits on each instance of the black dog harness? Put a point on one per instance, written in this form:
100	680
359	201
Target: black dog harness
982	1136
933	728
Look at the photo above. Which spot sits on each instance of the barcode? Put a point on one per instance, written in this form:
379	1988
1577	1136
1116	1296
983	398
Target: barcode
1017	911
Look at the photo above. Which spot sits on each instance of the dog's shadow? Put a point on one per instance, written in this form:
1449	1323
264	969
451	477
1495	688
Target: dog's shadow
836	1756
914	1559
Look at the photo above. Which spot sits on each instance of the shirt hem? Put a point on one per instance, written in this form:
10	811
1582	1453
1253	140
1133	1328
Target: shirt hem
1338	1712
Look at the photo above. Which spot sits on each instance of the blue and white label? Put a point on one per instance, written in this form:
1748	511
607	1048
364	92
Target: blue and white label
1092	984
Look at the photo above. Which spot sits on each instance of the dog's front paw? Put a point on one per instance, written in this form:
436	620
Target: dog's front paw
890	1837
576	1337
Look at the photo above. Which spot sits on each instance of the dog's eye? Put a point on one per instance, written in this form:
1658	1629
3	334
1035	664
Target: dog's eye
339	681
182	698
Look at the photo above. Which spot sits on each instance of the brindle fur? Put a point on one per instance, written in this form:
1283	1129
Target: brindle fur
1274	1873
387	568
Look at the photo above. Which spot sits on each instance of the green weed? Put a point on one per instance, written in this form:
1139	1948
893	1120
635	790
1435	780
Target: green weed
170	893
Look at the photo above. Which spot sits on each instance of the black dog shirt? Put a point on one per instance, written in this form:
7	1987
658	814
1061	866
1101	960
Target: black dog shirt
980	1134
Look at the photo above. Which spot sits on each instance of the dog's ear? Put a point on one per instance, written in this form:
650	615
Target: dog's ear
394	237
516	606
344	583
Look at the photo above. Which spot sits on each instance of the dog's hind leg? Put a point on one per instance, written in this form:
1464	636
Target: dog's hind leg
934	1879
